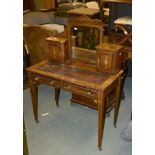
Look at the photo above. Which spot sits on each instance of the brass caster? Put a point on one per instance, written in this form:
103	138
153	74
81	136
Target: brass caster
123	96
100	148
108	114
115	126
37	121
57	105
73	104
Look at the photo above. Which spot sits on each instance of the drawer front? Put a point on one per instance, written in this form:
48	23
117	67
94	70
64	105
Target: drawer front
49	81
86	101
80	90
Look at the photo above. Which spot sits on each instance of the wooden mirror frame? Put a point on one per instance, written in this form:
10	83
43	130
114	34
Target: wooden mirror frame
83	21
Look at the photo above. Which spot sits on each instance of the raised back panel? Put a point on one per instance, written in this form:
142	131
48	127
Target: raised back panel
84	35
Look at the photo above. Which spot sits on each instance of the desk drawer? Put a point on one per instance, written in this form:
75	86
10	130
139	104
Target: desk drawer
48	81
80	90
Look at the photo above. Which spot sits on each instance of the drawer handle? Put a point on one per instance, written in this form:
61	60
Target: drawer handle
37	78
52	82
89	93
95	101
120	53
68	87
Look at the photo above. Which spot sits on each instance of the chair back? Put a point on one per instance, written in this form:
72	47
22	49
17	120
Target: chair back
35	41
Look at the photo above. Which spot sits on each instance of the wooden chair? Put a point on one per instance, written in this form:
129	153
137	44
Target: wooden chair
35	43
37	46
124	24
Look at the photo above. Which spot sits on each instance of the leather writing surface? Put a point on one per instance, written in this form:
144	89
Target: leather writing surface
74	73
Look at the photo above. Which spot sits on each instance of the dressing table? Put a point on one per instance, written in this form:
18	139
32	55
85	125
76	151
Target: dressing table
84	72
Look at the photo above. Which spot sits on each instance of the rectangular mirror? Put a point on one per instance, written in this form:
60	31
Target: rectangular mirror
86	37
84	34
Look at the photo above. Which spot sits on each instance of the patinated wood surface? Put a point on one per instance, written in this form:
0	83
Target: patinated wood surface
72	73
110	57
58	49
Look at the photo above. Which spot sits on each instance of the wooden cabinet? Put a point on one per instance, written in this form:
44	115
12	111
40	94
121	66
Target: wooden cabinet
58	49
109	57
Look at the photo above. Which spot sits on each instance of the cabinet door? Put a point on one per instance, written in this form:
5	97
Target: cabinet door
105	61
58	49
55	52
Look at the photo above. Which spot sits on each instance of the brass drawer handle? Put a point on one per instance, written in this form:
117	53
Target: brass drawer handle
52	82
120	53
89	93
37	78
95	101
68	87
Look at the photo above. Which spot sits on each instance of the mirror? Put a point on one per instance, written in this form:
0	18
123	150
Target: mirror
86	37
84	34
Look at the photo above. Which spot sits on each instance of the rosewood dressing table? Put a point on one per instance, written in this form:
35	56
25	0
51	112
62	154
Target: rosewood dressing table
83	72
87	83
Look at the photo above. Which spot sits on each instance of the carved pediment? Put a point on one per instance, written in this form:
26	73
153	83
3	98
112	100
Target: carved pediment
85	20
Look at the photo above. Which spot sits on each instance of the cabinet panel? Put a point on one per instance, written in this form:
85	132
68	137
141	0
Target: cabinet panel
55	52
109	57
58	49
106	61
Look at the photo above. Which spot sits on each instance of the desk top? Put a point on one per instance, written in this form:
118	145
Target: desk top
73	74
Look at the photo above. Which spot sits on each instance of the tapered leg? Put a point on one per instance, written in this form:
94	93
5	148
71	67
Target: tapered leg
101	118
124	67
34	95
108	114
107	101
57	94
117	103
